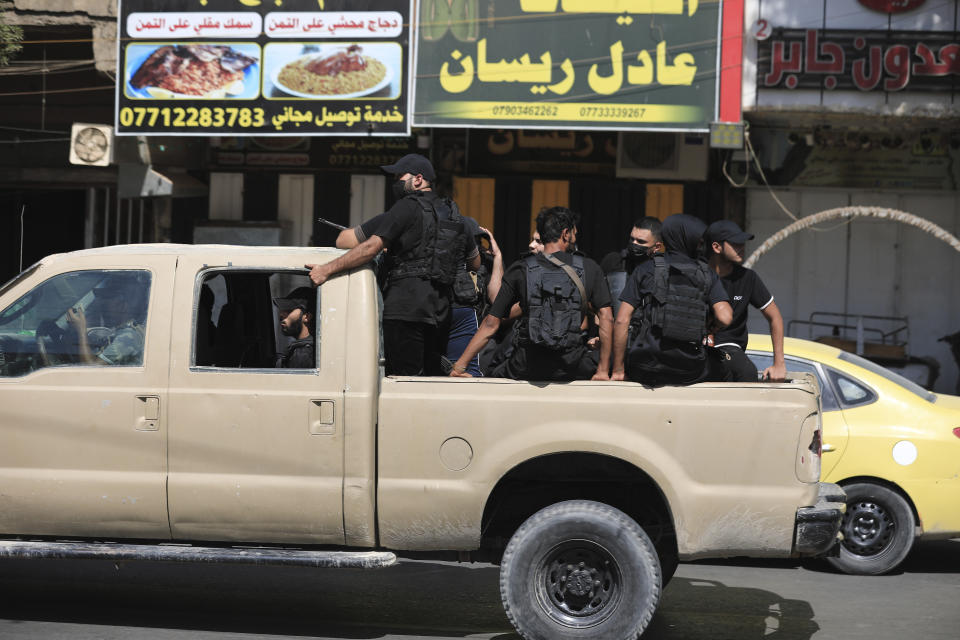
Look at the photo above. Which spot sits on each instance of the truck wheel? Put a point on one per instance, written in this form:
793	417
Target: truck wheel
878	530
580	569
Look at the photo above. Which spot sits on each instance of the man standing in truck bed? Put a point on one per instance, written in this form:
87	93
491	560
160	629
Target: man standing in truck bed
426	238
555	290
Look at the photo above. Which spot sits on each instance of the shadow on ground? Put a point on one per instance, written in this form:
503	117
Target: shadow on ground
416	598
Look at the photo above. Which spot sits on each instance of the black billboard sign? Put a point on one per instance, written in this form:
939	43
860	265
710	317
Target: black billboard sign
303	67
567	64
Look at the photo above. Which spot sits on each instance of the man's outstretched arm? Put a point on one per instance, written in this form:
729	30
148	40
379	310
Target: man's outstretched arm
359	255
778	371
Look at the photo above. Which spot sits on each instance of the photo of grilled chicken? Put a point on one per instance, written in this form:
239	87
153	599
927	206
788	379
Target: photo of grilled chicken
339	62
192	69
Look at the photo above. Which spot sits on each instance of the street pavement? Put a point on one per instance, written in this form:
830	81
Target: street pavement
420	600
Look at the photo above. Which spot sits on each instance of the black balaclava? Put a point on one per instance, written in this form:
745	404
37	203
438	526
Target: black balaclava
681	235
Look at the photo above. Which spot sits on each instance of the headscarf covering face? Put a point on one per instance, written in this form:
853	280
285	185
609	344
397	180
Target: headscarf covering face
681	235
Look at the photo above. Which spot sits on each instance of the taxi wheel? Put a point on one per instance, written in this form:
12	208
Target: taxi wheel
579	570
878	530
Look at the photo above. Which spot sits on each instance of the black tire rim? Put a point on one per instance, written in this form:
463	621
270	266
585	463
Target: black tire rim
868	528
579	583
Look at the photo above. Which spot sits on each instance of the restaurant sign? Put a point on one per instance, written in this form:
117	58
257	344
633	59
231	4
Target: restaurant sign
567	64
301	67
865	60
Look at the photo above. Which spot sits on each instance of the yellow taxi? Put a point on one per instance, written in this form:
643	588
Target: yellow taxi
892	445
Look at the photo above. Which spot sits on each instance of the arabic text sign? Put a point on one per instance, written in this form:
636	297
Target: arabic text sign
202	67
607	64
864	60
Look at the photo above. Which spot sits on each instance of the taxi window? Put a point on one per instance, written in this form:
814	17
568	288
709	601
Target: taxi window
95	317
885	373
852	393
828	399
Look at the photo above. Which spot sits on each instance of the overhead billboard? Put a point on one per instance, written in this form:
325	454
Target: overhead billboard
300	67
567	64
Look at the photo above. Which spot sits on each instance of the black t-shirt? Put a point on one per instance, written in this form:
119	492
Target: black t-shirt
514	286
401	228
744	288
641	283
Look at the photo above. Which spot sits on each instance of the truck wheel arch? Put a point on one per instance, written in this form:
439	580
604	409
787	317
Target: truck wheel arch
539	482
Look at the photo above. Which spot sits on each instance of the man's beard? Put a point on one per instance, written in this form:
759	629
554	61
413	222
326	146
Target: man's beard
293	328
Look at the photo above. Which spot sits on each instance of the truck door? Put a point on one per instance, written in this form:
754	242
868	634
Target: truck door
256	449
83	398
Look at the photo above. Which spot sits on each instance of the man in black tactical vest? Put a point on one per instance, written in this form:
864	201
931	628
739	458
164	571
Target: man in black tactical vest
426	239
556	290
645	241
663	315
469	298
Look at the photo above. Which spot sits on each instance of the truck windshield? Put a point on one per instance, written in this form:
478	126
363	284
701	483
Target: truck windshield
885	373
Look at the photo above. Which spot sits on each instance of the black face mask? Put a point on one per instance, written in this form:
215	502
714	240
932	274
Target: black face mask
637	252
399	189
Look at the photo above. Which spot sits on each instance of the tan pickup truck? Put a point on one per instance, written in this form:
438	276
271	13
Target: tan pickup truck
140	404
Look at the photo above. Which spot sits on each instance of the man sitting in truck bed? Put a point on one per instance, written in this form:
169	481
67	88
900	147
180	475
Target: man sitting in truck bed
665	305
555	290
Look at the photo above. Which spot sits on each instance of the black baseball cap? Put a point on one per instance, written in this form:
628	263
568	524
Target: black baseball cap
298	298
726	231
412	163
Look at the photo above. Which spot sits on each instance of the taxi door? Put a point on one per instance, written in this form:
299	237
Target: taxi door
256	452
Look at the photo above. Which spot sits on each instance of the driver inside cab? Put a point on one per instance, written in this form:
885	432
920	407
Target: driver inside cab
119	339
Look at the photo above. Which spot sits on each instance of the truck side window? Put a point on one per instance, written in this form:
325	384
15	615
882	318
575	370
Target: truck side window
239	320
95	317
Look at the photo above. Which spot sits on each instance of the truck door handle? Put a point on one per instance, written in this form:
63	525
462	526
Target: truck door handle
147	413
321	418
827	448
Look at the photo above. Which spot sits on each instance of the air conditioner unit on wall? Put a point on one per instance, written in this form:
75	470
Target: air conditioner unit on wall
662	156
91	144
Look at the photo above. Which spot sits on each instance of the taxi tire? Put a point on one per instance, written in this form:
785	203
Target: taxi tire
878	530
566	549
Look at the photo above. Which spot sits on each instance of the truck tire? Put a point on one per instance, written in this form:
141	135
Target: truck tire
580	569
878	530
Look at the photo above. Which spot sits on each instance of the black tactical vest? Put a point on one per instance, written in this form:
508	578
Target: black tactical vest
677	309
554	306
441	246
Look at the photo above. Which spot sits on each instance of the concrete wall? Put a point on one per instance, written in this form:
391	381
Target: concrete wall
864	267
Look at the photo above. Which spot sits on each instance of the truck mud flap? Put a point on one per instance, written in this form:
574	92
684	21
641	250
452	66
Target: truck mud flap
818	527
25	549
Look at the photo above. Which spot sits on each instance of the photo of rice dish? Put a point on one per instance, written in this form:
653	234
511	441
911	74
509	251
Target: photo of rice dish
192	70
345	72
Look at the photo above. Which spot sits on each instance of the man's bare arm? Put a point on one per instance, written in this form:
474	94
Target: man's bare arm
359	255
496	273
620	326
348	239
605	328
778	371
722	314
479	340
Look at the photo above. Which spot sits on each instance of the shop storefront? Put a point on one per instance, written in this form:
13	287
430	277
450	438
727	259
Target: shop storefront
853	103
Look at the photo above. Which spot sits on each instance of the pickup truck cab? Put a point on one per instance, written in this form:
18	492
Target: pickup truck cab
161	418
